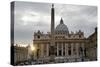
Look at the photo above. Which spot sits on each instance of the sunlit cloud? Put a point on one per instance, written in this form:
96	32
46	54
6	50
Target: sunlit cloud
35	17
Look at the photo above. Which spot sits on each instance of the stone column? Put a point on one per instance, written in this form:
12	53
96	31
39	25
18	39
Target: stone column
62	48
72	49
57	49
82	48
66	49
35	52
77	49
47	49
42	50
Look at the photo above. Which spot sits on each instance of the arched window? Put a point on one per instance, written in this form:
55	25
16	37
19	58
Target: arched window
38	36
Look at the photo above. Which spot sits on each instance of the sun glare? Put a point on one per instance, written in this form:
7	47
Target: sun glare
25	18
33	48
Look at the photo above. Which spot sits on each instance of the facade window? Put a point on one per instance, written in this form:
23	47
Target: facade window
38	36
69	52
64	53
69	49
79	36
64	49
59	52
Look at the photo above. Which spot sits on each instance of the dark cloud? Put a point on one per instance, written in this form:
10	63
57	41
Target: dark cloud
43	8
30	17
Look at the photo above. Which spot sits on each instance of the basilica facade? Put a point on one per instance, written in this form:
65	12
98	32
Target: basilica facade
59	45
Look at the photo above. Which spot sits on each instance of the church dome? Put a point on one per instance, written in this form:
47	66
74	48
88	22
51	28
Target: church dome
61	28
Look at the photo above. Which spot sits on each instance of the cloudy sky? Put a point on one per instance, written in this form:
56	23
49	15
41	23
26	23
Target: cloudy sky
30	17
